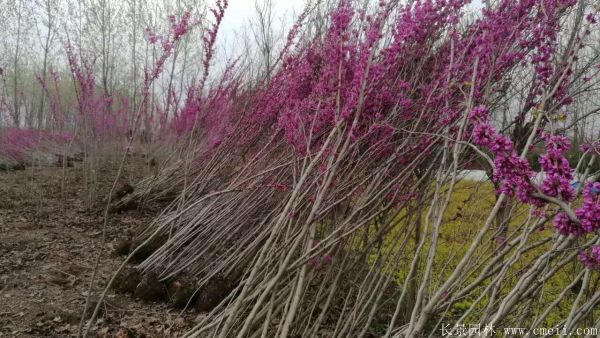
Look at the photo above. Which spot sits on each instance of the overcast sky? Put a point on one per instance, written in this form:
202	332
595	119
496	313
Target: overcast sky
240	11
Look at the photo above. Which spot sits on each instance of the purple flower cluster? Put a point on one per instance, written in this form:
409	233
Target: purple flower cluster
150	36
591	259
510	170
210	37
588	214
591	147
565	226
179	28
557	168
94	109
515	175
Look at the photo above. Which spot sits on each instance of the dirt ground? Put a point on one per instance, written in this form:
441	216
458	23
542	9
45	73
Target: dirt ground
49	241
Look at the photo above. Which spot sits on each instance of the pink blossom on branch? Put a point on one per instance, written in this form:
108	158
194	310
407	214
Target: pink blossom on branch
591	259
210	37
588	214
557	182
590	147
514	175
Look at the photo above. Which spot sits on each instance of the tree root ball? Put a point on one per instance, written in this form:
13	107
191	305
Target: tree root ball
126	189
121	206
148	249
215	291
181	291
122	247
18	166
127	280
150	289
66	161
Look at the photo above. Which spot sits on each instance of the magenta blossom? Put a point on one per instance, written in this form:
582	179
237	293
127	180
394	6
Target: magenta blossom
588	214
557	168
591	147
591	259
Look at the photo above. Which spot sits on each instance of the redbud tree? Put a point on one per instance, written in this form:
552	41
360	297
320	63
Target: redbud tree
324	191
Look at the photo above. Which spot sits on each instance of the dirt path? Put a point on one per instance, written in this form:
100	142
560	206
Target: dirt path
48	245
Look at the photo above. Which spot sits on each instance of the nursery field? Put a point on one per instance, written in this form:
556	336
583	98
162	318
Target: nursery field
50	241
306	168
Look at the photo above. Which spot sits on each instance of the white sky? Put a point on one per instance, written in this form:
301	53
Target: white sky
239	12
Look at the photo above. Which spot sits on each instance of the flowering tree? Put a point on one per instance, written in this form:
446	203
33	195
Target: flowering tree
325	193
319	196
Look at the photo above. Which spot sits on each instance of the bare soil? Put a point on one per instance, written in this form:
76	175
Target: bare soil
49	241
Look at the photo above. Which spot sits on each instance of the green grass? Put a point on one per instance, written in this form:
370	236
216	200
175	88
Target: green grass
469	206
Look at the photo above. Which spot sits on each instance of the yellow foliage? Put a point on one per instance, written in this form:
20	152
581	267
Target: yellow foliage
470	204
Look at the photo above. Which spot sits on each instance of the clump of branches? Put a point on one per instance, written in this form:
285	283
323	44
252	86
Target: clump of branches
310	189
